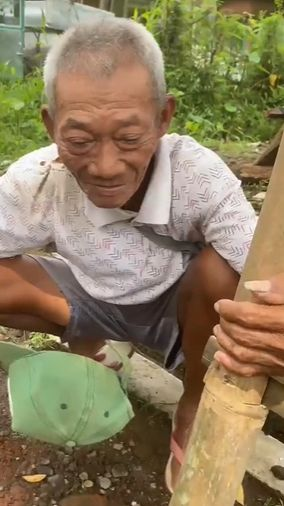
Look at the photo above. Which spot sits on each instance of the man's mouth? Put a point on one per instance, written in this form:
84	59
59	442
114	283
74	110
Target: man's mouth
107	190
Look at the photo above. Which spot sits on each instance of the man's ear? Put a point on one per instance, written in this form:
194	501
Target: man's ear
167	114
48	121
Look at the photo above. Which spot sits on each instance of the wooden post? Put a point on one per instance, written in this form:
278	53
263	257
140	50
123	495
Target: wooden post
119	7
230	411
92	3
268	156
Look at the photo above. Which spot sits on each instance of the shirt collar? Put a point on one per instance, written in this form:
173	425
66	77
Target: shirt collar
155	208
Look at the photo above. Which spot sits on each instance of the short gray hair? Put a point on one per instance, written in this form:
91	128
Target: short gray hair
99	48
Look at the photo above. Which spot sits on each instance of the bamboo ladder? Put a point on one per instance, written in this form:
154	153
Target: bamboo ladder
231	412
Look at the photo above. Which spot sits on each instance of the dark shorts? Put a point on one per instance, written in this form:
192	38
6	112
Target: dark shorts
153	324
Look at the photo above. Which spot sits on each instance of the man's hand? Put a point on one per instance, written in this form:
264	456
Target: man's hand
251	334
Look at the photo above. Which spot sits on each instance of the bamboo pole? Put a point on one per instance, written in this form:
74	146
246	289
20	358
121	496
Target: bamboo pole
274	394
230	412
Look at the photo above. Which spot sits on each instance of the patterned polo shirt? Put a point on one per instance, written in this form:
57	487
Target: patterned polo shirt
192	196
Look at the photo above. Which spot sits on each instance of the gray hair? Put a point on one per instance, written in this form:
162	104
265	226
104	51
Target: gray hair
99	48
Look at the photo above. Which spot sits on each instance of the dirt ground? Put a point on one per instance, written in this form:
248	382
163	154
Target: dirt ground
128	470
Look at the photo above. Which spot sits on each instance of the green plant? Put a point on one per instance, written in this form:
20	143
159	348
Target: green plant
225	71
20	122
38	341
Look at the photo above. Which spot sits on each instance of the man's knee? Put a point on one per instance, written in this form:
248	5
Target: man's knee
14	293
26	288
210	277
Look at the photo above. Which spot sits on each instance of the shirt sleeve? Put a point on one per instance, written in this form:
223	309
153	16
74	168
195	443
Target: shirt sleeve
214	205
229	226
26	208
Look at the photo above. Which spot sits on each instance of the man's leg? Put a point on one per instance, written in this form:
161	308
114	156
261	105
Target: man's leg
30	300
208	279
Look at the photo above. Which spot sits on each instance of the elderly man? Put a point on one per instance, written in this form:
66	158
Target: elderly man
151	229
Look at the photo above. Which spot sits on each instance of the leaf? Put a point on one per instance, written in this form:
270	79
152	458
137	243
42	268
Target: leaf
135	15
254	57
273	78
34	478
17	105
230	107
14	103
241	496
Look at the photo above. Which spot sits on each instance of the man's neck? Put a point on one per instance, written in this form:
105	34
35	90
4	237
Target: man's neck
135	202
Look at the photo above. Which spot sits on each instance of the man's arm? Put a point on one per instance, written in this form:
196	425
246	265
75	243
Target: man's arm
26	208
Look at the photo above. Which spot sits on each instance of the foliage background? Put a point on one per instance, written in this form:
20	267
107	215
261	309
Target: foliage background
224	71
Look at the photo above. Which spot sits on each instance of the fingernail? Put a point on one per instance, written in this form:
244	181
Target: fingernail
217	307
218	356
258	286
215	329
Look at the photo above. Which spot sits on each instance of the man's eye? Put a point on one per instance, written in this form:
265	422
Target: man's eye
79	142
129	140
79	145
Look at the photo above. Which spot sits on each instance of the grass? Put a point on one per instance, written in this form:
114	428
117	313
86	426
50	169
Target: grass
234	149
21	127
38	341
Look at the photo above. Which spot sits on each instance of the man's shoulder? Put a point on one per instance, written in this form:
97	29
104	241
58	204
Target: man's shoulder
36	162
183	148
191	161
179	144
38	168
40	156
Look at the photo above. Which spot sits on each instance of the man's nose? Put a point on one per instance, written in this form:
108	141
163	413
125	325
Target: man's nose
105	163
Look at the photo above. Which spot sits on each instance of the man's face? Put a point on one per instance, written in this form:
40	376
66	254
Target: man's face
107	131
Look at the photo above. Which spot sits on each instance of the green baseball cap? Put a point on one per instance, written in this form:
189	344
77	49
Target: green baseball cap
62	398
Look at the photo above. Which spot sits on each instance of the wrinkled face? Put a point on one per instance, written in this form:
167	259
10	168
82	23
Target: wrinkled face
107	131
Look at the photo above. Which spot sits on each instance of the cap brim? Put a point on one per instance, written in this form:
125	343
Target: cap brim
10	352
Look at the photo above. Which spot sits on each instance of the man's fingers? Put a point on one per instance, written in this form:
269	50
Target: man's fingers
251	315
246	355
251	334
238	368
255	339
247	370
